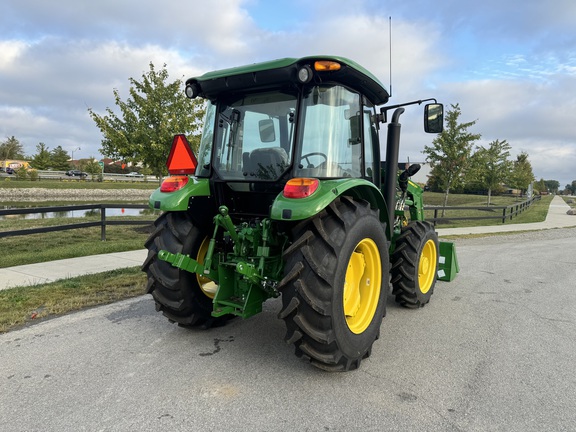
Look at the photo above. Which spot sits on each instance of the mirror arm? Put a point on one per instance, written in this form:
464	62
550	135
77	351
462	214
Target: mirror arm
383	118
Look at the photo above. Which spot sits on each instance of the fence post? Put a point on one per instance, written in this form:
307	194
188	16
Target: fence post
102	223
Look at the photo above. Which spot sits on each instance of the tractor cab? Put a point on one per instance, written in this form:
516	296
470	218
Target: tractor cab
273	127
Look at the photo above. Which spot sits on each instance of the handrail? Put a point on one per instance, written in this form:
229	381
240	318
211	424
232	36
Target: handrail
103	222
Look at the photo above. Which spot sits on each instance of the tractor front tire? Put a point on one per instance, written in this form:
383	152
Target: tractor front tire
415	264
178	293
335	285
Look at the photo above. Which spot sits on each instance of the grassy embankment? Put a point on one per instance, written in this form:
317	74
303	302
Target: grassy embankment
20	306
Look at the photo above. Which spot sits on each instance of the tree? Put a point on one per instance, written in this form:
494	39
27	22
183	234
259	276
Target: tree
11	149
41	160
491	166
150	117
552	185
92	167
540	186
60	159
521	175
449	154
572	187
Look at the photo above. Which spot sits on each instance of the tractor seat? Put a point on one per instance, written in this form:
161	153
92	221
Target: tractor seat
267	163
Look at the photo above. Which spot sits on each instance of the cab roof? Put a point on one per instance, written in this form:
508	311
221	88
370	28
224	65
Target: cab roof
284	72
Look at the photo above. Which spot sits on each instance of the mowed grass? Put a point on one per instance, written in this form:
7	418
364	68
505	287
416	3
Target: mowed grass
571	201
36	248
28	305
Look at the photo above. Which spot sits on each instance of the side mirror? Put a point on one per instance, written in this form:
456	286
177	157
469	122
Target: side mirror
267	132
434	118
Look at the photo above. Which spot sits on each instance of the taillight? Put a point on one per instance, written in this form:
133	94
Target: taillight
181	159
300	187
173	183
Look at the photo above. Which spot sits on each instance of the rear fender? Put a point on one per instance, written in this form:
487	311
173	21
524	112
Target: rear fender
297	209
179	200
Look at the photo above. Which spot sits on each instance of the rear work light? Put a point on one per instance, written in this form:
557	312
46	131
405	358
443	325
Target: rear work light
173	183
181	159
300	187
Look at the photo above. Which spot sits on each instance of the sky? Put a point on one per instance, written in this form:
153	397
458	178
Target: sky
509	65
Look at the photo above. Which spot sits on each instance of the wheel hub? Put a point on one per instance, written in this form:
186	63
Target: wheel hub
362	286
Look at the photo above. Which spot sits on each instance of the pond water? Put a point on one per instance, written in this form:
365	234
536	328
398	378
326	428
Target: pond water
79	213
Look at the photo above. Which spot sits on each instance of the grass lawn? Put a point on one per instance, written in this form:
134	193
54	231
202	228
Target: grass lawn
28	305
571	201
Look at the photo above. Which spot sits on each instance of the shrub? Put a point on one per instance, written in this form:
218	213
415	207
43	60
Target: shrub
33	174
21	173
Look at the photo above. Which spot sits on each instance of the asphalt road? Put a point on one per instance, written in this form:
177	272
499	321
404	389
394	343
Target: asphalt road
495	350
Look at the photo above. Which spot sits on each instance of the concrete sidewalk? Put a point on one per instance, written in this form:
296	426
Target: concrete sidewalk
34	274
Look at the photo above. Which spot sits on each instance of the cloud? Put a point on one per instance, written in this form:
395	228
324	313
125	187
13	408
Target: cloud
511	65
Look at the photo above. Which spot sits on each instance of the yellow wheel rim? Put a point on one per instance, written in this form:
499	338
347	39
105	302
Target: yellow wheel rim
207	286
362	286
427	266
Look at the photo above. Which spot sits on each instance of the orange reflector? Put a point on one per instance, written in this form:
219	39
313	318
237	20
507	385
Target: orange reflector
173	183
181	159
300	187
326	65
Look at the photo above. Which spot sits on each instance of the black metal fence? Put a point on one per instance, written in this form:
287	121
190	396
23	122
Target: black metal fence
102	223
503	213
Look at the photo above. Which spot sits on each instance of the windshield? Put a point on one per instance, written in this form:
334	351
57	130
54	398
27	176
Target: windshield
254	135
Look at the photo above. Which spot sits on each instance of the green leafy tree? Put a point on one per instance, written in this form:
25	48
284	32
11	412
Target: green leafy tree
491	166
155	111
552	185
540	186
60	159
42	159
11	149
522	174
92	167
571	187
449	154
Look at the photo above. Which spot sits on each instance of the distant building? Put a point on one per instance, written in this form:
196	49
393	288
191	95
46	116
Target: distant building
14	164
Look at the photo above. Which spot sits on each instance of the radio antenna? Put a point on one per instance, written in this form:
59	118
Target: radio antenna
390	50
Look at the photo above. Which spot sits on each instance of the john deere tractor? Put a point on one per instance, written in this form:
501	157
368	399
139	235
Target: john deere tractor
287	196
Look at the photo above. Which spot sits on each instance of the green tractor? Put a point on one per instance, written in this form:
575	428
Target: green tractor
287	197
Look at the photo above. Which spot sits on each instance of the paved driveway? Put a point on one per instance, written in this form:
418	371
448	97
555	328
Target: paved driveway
494	350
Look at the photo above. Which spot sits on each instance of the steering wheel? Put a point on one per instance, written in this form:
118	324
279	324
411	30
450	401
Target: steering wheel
308	155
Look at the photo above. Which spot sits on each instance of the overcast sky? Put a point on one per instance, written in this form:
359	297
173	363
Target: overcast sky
511	65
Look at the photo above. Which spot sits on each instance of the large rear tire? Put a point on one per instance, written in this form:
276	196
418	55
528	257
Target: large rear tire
178	294
415	264
335	285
